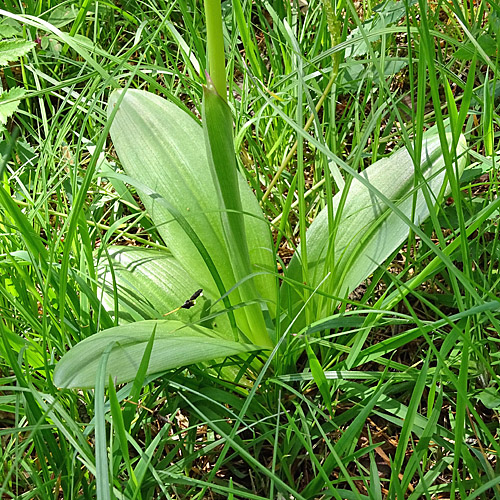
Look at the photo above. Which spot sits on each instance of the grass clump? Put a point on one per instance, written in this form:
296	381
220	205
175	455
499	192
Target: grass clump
388	392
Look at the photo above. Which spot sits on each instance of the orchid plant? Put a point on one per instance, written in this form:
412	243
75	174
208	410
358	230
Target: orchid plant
216	292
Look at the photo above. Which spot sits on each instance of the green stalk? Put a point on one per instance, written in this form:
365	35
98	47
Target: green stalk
218	127
215	46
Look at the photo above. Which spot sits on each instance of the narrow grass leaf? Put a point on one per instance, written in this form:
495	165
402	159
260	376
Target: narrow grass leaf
424	442
248	44
119	426
319	377
487	118
408	424
467	95
101	452
375	484
452	107
142	466
138	381
43	25
308	447
235	443
348	438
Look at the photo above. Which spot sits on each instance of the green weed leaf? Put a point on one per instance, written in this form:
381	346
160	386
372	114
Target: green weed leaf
8	106
9	30
490	397
12	50
485	41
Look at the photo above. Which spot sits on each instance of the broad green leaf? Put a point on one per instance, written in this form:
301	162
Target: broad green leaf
9	102
176	344
367	231
163	148
63	15
12	50
490	397
353	72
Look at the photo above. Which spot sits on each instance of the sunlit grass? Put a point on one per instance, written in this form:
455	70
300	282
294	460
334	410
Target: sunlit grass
408	406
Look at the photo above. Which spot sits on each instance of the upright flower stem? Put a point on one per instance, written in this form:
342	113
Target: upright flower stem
215	46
